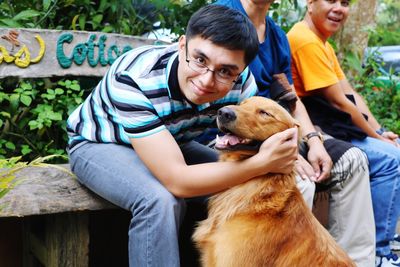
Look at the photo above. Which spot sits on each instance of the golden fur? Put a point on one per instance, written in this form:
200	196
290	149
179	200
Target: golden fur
265	221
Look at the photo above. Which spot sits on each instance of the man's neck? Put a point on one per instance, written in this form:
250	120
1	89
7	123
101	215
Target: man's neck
314	29
257	15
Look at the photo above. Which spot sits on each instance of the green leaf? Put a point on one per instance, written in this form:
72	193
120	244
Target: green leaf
33	125
59	91
26	14
75	87
3	96
46	4
54	116
47	96
73	23
10	145
82	22
97	19
10	23
25	149
26	100
14	100
5	114
108	29
26	86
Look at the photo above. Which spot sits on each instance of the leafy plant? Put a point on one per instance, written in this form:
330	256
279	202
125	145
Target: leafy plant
387	31
118	16
33	116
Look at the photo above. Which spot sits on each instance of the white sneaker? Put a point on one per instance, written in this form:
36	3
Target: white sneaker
395	243
390	260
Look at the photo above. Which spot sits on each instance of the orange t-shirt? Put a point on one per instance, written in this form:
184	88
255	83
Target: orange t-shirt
314	63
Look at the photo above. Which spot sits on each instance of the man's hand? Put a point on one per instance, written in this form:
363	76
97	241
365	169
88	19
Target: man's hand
393	137
280	150
319	159
304	169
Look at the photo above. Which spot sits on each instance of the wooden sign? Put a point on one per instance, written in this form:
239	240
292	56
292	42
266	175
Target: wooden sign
45	53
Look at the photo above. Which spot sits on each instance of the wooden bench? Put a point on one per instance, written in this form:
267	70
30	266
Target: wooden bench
52	209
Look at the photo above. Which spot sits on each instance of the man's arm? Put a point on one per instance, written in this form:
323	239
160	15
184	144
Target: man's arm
317	155
363	107
335	94
162	155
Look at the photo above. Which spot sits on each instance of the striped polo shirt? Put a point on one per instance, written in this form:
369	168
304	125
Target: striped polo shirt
140	96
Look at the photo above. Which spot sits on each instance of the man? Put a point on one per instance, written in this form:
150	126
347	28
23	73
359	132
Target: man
339	110
350	208
131	140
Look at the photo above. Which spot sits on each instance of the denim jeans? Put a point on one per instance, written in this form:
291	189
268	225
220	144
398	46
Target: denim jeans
384	167
116	173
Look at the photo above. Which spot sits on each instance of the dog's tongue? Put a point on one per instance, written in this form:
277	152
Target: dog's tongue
227	140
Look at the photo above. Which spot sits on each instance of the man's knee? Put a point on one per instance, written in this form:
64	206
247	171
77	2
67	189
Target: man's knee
307	189
353	164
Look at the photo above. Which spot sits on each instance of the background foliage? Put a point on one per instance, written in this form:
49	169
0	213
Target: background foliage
33	111
387	31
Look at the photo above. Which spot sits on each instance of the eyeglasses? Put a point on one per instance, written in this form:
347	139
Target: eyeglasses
220	75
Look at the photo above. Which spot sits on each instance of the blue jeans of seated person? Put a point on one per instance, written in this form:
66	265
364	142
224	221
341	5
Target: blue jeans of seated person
384	166
116	173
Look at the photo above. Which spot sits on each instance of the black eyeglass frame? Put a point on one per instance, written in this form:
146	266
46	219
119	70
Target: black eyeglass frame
207	69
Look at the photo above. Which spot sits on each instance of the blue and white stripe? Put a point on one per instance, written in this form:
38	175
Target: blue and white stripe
140	96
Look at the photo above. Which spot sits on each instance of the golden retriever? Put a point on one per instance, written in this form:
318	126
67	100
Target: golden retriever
265	221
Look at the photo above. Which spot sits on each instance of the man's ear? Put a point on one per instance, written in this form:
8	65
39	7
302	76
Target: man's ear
182	47
309	5
296	123
182	42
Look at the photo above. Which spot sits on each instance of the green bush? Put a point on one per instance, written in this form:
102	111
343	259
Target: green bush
33	115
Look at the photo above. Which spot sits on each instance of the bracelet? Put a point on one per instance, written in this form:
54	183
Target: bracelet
313	134
381	131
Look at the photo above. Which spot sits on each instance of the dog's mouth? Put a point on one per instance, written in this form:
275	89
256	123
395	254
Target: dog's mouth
232	142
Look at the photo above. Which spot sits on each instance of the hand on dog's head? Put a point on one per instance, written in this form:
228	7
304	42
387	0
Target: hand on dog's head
247	125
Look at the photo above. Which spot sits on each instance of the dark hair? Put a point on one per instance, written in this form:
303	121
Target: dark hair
224	27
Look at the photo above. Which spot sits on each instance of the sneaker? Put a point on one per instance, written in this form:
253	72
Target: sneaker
390	260
395	243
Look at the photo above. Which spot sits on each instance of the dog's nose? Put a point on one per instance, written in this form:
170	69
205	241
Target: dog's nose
226	114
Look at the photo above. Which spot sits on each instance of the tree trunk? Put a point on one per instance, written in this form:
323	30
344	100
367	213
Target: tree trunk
354	35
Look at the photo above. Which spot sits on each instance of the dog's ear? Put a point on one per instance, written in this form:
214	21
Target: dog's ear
296	123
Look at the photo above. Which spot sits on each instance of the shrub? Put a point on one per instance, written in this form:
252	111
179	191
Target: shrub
33	115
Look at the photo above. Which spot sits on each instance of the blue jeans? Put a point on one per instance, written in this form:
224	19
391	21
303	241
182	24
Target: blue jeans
384	167
116	173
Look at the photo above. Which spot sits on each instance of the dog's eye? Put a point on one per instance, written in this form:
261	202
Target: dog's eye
264	113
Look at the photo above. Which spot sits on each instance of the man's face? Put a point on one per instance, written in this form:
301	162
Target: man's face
211	70
328	15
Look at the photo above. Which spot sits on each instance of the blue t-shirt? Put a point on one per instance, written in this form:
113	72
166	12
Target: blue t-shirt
274	53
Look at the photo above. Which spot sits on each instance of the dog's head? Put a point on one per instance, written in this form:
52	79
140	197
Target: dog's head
247	125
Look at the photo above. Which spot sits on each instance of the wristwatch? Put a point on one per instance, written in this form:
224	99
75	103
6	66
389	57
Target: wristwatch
313	134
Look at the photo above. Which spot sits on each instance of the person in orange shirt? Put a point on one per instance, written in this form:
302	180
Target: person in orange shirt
341	112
